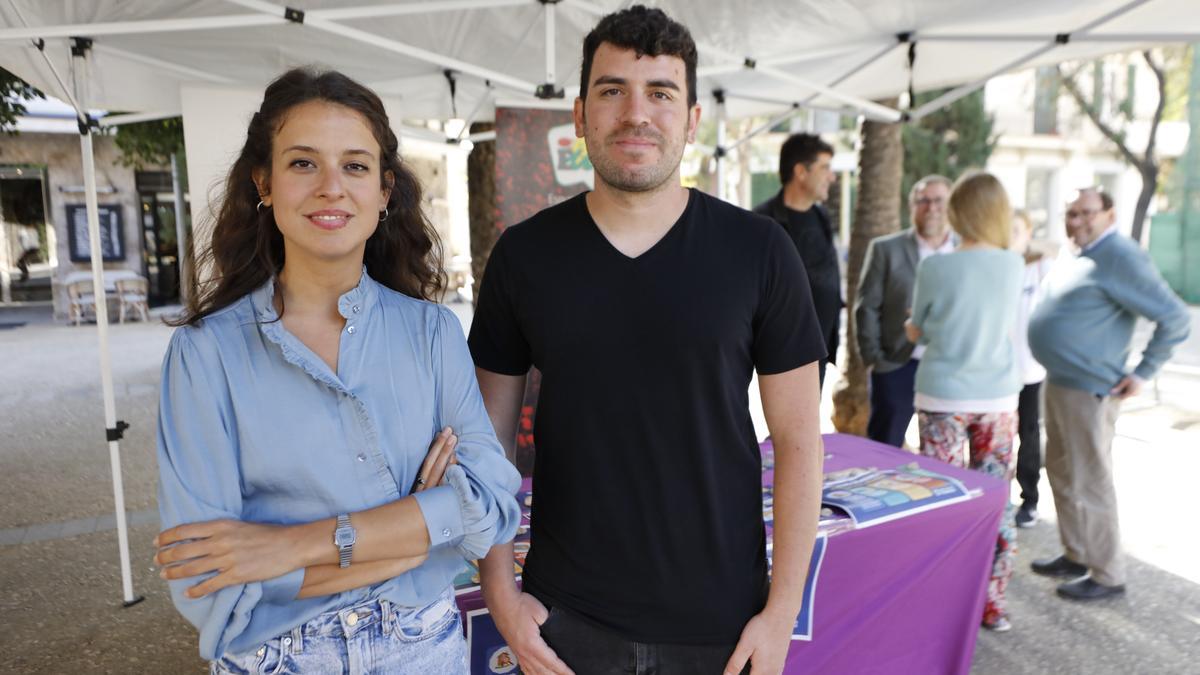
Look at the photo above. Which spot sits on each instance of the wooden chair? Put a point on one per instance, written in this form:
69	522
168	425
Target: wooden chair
132	294
80	300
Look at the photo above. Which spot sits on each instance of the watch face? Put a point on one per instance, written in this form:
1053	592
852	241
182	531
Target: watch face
343	537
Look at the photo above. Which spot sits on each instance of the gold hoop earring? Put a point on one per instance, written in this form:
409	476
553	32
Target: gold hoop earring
261	205
383	214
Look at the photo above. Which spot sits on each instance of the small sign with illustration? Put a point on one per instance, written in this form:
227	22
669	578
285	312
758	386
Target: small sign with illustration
569	157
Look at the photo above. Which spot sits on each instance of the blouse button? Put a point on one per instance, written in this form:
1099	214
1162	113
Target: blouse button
355	309
361	457
446	532
351	330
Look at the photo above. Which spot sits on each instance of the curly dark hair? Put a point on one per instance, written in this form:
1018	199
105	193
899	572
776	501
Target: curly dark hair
800	149
649	32
246	247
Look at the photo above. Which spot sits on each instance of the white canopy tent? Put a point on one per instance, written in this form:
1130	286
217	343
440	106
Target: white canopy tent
446	59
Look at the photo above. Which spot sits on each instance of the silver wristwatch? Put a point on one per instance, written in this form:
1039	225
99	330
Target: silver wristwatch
344	537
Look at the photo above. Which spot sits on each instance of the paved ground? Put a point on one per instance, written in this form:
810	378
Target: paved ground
60	586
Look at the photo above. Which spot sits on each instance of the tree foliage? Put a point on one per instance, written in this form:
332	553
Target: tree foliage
14	90
150	143
947	142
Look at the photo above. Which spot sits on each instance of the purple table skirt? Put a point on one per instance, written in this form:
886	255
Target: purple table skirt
900	597
904	596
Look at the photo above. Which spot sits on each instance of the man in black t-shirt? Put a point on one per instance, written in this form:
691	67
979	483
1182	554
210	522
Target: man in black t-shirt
805	174
647	307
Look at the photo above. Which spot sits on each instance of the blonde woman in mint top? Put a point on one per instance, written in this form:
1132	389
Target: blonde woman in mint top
967	386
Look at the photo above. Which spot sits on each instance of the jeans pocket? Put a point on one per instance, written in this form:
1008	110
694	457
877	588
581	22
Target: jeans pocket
427	624
266	660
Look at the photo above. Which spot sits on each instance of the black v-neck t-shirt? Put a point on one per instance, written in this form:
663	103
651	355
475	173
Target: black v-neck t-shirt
647	513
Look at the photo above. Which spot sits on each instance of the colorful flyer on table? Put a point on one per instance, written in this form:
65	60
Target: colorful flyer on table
873	496
489	653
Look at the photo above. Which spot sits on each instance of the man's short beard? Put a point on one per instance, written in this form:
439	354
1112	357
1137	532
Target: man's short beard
646	179
649	179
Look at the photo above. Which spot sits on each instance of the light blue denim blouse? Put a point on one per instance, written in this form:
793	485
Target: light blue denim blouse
255	426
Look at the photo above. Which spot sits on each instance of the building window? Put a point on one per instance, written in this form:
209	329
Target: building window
1045	101
1039	184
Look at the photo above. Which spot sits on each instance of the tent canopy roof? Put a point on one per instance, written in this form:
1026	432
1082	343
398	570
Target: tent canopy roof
823	53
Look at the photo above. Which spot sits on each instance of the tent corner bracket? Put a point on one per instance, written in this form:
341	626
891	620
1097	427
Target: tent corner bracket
117	432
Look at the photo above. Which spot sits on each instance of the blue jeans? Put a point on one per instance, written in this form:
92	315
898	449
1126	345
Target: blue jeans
374	637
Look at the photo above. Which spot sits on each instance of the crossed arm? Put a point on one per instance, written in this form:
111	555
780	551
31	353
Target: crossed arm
391	539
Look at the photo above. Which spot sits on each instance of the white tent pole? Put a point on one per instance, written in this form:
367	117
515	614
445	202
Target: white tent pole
181	244
482	137
106	380
766	126
720	150
792	57
878	110
1086	37
863	104
401	8
857	69
589	7
139	27
548	10
161	64
1059	40
965	90
131	118
848	111
114	429
392	45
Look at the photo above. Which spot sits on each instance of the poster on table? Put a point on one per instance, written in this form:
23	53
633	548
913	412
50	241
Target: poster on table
539	163
874	496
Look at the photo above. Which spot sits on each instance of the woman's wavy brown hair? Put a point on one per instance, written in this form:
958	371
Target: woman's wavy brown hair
246	248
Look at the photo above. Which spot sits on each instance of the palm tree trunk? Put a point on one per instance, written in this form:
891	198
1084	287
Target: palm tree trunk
876	213
481	206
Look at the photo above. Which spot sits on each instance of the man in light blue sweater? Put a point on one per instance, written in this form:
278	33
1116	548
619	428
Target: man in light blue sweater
1081	333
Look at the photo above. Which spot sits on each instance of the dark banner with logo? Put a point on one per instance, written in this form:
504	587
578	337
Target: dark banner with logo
539	163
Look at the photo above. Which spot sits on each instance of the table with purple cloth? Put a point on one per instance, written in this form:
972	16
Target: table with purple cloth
904	596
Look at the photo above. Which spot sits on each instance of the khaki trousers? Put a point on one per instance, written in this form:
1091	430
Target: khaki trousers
1079	435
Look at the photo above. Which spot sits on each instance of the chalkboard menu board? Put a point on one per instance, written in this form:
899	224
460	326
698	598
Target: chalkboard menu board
112	235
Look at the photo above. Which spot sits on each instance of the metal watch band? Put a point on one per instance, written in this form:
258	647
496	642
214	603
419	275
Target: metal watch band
344	552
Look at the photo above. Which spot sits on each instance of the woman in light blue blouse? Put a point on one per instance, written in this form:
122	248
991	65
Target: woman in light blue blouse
311	525
964	312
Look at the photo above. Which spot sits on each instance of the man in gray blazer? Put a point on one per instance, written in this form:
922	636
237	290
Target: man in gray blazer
885	300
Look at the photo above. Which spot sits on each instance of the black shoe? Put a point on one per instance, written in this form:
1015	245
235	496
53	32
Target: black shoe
1027	516
1086	589
1059	567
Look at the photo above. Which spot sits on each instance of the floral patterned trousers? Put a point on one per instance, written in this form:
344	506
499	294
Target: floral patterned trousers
983	442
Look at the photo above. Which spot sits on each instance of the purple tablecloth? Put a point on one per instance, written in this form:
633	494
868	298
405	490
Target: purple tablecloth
904	596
